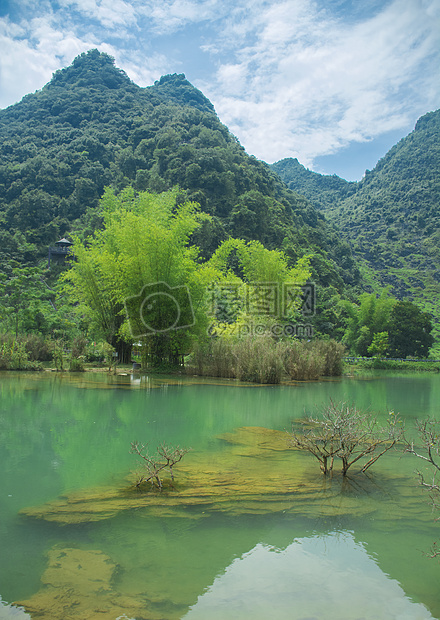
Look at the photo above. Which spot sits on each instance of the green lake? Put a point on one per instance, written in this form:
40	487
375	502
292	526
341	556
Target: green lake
252	530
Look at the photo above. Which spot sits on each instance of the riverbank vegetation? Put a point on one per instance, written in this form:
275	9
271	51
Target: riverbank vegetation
140	284
262	359
228	229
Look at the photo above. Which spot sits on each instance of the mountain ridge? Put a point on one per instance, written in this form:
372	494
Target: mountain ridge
91	127
391	219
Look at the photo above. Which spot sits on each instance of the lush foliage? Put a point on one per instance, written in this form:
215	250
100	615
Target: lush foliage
321	189
382	325
391	218
139	280
91	127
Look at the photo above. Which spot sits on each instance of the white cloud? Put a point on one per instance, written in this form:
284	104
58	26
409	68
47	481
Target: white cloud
296	78
171	15
31	52
314	83
141	72
110	13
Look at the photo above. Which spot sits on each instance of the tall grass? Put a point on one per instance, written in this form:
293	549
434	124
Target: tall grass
302	361
258	359
305	361
14	356
261	359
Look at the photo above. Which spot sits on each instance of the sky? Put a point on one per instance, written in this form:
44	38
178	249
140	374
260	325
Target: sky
334	83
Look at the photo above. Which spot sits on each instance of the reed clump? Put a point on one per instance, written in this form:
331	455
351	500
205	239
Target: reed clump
262	359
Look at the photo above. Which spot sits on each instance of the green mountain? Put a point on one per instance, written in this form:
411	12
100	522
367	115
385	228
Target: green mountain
391	218
323	191
92	127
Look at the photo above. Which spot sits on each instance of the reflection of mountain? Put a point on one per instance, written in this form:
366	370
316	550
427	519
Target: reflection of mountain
328	576
73	439
11	612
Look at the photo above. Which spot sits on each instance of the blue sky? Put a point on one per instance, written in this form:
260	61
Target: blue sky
334	83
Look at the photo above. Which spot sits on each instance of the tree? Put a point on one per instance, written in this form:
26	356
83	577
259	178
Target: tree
138	279
257	285
370	317
379	345
409	331
25	301
344	432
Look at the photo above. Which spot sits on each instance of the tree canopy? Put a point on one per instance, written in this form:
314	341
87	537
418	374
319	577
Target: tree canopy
140	280
391	218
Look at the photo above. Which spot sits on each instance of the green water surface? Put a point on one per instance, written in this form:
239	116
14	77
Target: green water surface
65	433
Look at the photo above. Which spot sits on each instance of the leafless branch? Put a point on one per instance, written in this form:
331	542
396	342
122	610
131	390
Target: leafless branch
166	457
346	433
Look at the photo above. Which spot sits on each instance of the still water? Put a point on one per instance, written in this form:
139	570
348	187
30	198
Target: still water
253	530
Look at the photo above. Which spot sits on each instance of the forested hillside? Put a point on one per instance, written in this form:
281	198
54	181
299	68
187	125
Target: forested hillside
323	190
91	132
91	127
392	217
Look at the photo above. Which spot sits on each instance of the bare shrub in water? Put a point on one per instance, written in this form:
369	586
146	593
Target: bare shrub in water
346	433
155	465
427	448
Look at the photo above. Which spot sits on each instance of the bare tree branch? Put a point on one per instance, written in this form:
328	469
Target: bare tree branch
346	433
166	457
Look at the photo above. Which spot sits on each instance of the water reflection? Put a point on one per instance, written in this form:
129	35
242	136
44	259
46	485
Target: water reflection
11	612
330	576
63	433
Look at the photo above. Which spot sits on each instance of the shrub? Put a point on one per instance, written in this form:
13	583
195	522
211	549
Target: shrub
302	362
58	354
38	348
79	347
155	465
332	353
76	364
344	432
13	355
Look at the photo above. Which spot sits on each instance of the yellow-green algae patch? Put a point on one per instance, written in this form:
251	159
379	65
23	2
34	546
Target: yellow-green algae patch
251	471
78	585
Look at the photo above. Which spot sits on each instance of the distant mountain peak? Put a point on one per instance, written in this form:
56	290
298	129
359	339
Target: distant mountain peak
92	68
176	87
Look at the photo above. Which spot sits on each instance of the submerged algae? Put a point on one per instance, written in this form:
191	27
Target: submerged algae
78	585
252	471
